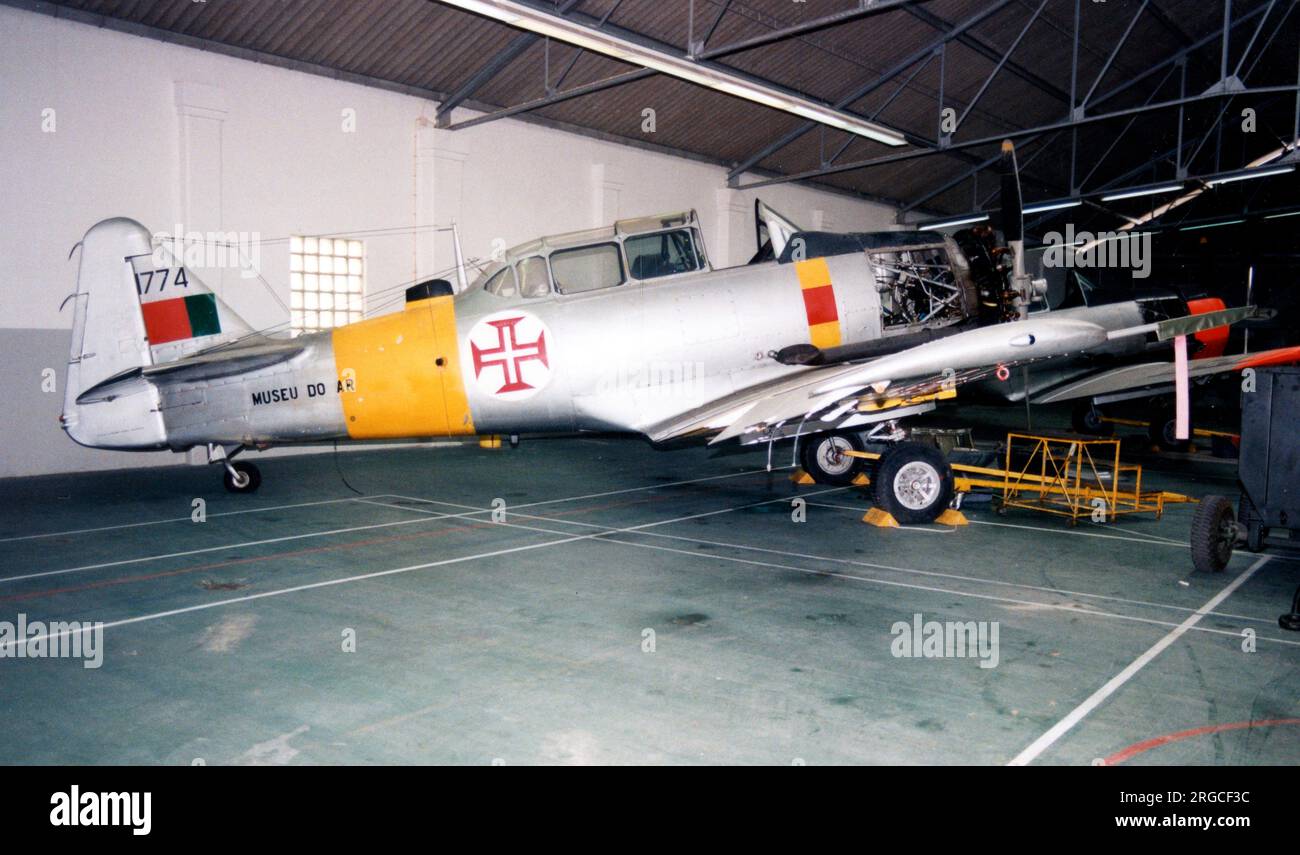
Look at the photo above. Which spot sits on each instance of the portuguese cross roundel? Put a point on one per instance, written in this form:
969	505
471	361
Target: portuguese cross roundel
508	352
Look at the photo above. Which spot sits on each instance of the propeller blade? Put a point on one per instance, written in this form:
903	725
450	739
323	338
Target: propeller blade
1012	216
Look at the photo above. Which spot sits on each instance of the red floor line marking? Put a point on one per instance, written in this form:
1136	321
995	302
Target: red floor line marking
1156	741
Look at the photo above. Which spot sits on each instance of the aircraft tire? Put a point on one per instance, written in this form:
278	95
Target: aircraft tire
251	480
1087	419
821	456
913	483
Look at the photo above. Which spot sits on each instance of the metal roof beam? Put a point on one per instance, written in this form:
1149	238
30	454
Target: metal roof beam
988	52
806	27
863	91
1019	133
1073	121
490	69
555	98
1006	58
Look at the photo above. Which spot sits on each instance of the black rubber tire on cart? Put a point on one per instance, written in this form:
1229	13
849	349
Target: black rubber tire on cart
822	456
250	478
1255	534
913	483
1214	533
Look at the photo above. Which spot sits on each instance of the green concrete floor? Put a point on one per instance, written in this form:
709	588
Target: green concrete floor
522	641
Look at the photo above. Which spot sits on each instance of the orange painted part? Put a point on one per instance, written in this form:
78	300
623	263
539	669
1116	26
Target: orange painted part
1277	356
1213	341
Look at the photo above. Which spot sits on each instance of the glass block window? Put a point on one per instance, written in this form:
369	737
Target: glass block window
327	283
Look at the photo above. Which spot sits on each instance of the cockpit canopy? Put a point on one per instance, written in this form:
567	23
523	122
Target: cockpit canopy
639	249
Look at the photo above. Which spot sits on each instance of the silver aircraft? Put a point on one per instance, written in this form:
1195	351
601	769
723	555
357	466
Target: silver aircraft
824	339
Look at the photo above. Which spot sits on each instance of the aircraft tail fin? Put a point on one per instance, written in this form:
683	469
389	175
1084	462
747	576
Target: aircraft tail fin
136	306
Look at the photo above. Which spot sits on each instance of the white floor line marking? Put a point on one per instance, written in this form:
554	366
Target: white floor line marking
1042	743
179	519
1044	589
932	589
367	500
11	645
1078	533
900	570
1111	524
636	489
208	549
949	591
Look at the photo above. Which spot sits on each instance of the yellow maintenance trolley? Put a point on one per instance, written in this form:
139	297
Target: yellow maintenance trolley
1066	475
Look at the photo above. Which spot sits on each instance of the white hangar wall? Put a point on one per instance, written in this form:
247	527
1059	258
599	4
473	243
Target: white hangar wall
97	123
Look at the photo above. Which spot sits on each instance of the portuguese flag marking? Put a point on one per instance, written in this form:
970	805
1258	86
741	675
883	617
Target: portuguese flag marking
180	318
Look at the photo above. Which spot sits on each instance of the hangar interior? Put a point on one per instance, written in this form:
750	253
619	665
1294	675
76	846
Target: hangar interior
589	597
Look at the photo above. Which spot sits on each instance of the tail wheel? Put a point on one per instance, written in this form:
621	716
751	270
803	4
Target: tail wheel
822	456
1214	533
1088	419
241	477
913	483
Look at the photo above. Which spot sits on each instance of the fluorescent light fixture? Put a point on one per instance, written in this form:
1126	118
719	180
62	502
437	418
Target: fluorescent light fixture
1052	206
1142	191
947	224
527	18
1211	225
1249	174
1279	216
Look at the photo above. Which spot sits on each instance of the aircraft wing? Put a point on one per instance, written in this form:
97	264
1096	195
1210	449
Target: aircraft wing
839	395
1130	377
835	393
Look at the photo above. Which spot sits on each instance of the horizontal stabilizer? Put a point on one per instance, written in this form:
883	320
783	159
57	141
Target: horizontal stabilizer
213	365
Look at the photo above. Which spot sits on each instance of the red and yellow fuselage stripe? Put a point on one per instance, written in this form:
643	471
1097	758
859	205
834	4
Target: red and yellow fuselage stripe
819	302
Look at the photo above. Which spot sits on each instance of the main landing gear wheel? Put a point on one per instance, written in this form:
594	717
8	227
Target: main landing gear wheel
1088	419
913	483
1164	428
822	456
1214	533
241	477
